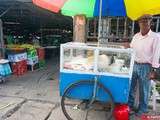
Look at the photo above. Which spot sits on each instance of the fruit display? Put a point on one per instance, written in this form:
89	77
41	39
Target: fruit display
31	50
14	49
26	54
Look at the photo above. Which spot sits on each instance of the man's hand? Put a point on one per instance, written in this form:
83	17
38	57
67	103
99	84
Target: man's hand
126	44
152	75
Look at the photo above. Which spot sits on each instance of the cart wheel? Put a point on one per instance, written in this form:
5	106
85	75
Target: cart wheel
89	108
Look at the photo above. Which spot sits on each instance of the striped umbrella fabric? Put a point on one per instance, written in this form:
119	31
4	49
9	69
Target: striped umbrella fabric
90	8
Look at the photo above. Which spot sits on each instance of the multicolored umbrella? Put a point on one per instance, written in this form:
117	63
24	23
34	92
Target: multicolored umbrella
90	8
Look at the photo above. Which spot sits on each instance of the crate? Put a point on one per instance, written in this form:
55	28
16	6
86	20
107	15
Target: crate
33	67
32	60
19	68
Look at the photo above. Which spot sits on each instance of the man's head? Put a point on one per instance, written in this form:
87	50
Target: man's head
145	23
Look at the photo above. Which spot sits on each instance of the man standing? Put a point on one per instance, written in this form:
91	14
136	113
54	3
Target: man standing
147	47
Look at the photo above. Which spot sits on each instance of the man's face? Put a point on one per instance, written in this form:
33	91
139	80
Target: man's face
144	24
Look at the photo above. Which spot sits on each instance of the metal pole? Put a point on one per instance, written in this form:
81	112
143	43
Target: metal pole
1	39
117	28
100	20
87	28
95	27
125	28
157	25
108	27
132	33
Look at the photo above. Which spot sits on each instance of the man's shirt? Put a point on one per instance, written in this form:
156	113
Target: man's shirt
147	48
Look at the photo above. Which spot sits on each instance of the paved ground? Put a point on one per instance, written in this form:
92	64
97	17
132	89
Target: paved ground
35	96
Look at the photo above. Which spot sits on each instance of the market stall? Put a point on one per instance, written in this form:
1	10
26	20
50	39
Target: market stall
25	56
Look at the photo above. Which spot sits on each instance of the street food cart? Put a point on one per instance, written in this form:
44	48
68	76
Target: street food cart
90	73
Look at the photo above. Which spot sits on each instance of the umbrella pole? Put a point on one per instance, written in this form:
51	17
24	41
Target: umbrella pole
2	49
100	22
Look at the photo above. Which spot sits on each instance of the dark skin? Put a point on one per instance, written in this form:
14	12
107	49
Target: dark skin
145	26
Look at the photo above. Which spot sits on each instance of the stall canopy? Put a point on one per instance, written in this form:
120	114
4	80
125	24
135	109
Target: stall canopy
90	8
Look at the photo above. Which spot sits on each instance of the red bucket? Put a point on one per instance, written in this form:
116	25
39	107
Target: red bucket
121	112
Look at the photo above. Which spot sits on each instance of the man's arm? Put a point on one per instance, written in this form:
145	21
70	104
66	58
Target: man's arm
126	44
156	53
156	58
130	45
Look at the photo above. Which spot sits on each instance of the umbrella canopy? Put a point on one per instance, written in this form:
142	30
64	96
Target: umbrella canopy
90	8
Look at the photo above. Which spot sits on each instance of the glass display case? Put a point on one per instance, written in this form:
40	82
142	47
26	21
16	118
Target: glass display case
82	58
78	59
109	65
114	62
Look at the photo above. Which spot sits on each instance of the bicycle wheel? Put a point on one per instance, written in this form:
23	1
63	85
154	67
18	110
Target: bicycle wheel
89	108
